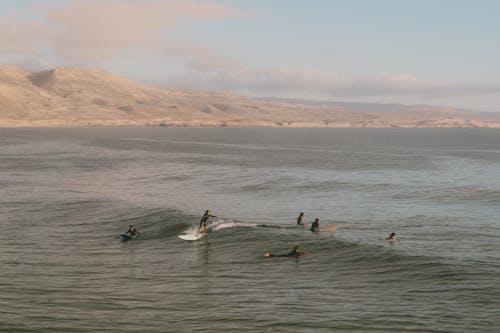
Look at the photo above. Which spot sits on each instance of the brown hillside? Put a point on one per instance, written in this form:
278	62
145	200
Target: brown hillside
71	96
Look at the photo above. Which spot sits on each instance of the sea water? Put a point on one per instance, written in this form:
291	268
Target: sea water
68	194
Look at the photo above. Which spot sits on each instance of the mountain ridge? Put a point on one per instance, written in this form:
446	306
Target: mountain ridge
73	96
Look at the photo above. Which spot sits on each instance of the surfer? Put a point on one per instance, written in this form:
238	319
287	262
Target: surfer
392	237
294	253
315	226
203	221
300	219
132	231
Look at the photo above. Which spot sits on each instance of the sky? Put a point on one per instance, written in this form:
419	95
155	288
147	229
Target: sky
437	52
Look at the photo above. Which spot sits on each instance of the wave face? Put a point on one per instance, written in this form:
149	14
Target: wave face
67	195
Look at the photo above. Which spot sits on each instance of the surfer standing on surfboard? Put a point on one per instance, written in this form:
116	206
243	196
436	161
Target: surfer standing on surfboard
203	221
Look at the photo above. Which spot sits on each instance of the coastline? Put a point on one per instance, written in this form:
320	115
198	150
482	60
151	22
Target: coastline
78	97
125	124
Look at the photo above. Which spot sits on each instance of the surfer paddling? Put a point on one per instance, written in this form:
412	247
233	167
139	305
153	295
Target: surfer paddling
203	221
294	253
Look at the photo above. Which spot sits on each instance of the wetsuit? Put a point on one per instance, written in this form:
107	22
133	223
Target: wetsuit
279	255
205	218
293	253
315	226
299	220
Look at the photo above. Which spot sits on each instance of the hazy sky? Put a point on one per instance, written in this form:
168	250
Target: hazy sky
405	51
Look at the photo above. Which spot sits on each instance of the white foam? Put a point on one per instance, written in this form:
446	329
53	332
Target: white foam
220	224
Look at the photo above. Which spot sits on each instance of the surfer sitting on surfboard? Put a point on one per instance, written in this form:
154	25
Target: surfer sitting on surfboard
294	253
132	231
315	226
203	221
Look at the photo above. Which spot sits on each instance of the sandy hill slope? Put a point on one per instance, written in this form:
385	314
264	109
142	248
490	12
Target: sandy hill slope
71	96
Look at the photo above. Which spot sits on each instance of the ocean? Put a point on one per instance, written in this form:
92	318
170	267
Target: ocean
68	193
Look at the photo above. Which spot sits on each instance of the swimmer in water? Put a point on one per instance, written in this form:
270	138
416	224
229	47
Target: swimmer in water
315	226
300	219
392	237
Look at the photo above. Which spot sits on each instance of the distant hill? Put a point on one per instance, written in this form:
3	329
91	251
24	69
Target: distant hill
69	96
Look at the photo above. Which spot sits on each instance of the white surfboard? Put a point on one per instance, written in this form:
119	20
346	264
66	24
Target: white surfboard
191	237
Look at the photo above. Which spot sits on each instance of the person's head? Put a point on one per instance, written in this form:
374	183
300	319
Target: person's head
301	213
207	211
317	220
392	235
131	227
296	248
267	254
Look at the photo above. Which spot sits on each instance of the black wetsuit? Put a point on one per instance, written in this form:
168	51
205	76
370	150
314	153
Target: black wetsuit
315	226
205	218
299	220
293	253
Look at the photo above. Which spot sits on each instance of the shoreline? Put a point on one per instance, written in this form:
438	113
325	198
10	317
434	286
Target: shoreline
497	126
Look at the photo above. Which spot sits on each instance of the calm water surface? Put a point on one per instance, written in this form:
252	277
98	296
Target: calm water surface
67	195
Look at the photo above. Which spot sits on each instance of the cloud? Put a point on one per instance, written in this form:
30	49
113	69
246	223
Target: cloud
27	63
18	36
296	80
212	62
89	31
94	32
